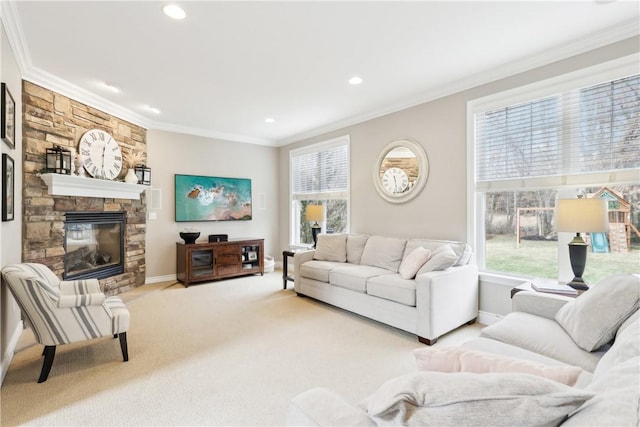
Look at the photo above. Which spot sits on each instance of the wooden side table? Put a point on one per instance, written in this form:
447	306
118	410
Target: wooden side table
285	267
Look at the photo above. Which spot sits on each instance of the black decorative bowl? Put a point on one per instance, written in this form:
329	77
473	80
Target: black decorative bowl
189	237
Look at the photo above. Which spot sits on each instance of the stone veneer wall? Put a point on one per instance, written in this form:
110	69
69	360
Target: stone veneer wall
52	119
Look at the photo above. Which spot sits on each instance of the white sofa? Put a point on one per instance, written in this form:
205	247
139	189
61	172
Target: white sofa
364	274
598	332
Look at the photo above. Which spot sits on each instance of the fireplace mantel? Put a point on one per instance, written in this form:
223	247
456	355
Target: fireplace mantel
71	185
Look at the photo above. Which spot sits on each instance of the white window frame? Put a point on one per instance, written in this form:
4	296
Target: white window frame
594	75
294	214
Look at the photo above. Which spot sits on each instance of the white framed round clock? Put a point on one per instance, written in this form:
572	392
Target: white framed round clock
101	154
401	171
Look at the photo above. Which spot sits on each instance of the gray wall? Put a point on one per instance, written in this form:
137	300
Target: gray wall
11	231
440	211
172	153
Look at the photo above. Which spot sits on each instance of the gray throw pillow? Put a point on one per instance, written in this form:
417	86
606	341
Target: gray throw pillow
593	318
469	399
331	247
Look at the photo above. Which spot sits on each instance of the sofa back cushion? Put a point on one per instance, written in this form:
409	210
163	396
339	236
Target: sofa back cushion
593	318
461	249
331	247
355	246
626	346
383	252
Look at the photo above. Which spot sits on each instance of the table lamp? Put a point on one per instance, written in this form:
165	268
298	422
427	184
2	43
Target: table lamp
581	215
314	213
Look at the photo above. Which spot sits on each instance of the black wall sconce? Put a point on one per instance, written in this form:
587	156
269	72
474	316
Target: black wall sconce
58	160
144	174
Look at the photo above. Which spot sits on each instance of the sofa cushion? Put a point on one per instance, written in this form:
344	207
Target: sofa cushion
462	249
355	246
494	399
441	259
626	346
331	247
383	252
318	270
593	318
394	288
458	359
616	400
412	262
543	336
355	277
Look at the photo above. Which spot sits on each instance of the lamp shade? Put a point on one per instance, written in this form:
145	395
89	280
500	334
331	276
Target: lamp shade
582	216
314	213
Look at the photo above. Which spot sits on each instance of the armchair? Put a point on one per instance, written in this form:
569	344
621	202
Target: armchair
63	312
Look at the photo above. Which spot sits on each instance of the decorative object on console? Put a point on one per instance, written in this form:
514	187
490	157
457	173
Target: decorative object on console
401	171
189	236
218	238
576	216
101	154
205	198
143	173
314	213
8	178
58	160
8	117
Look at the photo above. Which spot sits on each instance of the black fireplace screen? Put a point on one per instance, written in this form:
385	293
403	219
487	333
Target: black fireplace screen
93	244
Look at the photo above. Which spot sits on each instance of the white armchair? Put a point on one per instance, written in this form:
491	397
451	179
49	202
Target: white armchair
63	312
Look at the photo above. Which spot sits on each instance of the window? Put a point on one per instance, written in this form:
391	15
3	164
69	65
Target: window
578	134
319	174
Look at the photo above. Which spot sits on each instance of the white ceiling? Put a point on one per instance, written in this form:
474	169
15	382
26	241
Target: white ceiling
226	67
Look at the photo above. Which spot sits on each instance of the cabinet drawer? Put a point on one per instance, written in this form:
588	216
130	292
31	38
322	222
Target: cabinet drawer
227	259
222	270
228	249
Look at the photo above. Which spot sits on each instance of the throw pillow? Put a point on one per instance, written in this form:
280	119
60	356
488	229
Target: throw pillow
494	399
383	252
441	259
355	246
457	359
412	262
593	318
331	247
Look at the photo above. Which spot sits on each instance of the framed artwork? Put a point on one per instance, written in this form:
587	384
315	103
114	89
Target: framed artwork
8	117
207	198
8	178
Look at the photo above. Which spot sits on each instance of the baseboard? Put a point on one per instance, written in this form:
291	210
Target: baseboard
487	318
7	357
158	279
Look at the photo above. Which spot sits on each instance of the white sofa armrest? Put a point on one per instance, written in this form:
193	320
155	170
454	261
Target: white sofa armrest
445	300
323	407
538	303
300	258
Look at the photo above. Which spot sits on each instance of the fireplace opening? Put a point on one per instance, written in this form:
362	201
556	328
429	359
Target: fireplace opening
93	244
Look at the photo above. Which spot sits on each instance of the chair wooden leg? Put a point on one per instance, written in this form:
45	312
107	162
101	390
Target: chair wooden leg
123	346
49	353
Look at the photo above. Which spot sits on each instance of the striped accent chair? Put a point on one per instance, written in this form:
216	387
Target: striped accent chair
63	312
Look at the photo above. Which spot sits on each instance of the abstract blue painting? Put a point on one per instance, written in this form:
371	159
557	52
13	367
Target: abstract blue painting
207	198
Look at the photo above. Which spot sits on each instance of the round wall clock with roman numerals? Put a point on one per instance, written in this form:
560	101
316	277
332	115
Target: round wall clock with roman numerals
101	154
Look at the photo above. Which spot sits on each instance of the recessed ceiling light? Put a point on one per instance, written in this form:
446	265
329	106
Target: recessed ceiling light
269	120
355	80
174	11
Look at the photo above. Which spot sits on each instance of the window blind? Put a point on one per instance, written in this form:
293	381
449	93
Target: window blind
321	173
582	136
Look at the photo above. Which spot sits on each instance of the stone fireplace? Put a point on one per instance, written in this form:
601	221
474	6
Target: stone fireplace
51	119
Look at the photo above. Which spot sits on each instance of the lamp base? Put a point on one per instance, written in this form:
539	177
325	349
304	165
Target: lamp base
578	284
315	230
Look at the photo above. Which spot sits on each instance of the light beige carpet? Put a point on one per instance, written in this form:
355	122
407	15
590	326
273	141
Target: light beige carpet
232	352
